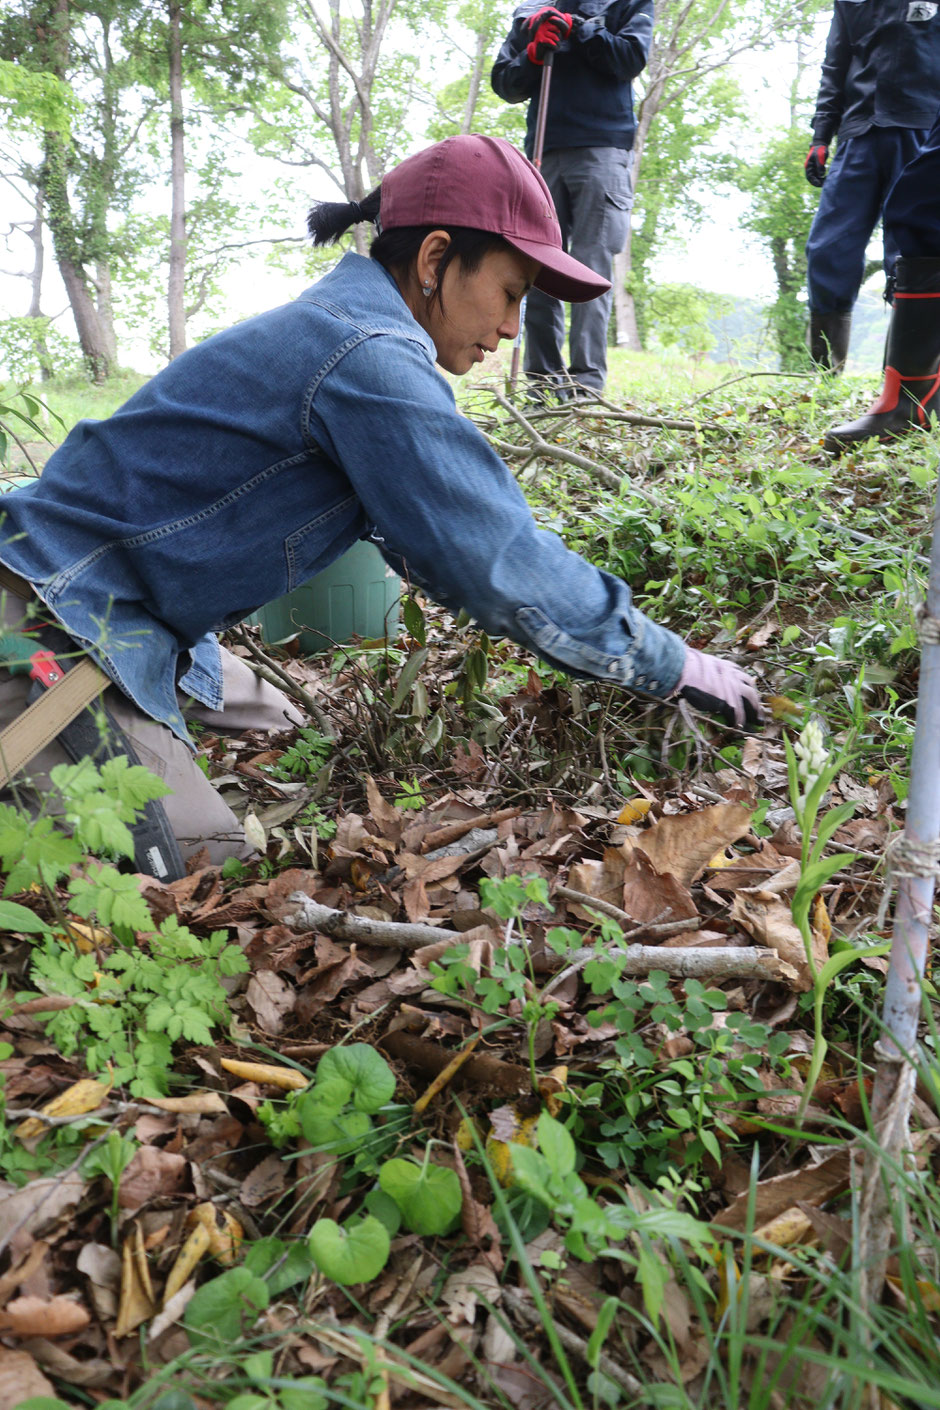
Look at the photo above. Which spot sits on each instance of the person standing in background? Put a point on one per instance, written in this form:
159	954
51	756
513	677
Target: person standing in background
910	394
878	94
600	47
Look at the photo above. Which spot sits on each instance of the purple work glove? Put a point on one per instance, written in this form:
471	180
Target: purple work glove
720	688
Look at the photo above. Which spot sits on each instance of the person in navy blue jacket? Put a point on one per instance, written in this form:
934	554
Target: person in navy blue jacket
878	94
600	47
910	394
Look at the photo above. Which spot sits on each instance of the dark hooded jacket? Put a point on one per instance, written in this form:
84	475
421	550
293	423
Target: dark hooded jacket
882	68
590	101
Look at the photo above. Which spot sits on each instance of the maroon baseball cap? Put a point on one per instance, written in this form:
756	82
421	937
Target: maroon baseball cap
486	184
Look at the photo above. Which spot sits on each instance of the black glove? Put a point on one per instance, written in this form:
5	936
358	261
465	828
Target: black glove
815	164
720	688
548	27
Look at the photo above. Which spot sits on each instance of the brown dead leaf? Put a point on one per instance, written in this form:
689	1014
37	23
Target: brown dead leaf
767	918
648	895
102	1267
151	1172
24	1212
86	1095
814	1184
682	845
267	1180
42	1317
22	1271
271	999
20	1379
388	818
476	1219
462	1290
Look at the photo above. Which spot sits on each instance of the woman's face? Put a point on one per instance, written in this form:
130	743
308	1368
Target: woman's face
476	310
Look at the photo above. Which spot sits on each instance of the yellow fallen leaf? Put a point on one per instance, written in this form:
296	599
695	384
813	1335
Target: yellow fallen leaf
552	1088
225	1232
728	1280
137	1303
197	1103
524	1132
287	1078
790	1227
822	929
86	1095
781	706
719	861
195	1247
928	1294
633	810
464	1137
86	937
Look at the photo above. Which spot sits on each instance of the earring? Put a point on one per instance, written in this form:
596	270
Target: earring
426	288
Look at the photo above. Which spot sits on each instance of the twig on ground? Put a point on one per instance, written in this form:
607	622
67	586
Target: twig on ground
550	451
390	934
270	671
689	962
572	1342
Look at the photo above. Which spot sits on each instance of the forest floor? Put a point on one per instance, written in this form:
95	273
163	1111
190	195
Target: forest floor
514	1070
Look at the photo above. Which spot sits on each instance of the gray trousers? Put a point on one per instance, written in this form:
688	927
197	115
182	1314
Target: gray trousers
198	815
593	193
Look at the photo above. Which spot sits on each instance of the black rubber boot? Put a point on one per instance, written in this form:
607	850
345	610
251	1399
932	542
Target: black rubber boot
909	396
829	340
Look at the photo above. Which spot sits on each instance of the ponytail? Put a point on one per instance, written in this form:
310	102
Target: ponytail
328	220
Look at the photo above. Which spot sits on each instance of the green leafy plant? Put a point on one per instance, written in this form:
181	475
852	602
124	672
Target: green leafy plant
810	772
111	1160
307	755
511	977
135	1003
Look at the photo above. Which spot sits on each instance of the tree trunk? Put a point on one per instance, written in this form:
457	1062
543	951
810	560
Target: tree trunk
34	235
476	78
105	309
53	186
175	282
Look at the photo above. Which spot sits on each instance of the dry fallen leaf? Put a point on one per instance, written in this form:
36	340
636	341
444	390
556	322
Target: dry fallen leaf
193	1250
137	1303
39	1203
767	918
287	1078
86	1095
43	1317
682	844
20	1379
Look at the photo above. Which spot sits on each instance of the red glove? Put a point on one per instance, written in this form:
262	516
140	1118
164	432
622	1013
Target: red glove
815	164
548	27
721	688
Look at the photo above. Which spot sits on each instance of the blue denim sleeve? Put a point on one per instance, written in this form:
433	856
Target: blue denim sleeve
441	500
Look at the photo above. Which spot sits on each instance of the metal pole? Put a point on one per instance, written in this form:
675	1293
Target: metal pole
537	149
895	1076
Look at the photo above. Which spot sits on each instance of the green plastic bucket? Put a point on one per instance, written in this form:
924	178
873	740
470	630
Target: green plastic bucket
358	595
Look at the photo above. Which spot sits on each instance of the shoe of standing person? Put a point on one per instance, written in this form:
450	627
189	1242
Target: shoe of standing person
829	340
910	395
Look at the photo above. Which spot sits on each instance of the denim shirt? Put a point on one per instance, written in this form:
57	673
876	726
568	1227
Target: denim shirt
256	458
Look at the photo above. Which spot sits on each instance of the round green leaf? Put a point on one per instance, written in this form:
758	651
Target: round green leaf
354	1254
428	1196
380	1204
368	1074
218	1312
339	1134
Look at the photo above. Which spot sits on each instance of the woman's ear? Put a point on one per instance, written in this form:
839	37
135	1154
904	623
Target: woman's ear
430	254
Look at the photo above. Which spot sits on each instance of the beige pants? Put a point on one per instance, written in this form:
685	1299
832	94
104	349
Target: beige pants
197	814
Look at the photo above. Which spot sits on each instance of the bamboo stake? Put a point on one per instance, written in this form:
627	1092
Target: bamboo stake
895	1074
